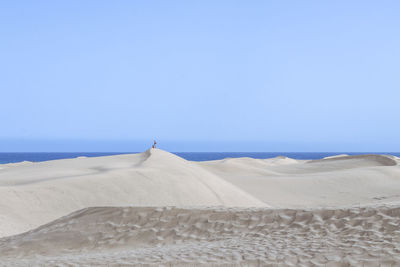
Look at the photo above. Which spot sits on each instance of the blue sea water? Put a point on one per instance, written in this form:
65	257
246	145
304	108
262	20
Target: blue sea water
194	156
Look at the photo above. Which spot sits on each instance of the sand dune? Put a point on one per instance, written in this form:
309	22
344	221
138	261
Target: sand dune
34	194
157	208
360	160
338	181
121	235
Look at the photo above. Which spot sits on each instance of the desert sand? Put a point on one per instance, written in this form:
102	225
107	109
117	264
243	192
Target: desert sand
156	208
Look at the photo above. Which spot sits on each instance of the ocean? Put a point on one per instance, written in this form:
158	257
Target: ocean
194	156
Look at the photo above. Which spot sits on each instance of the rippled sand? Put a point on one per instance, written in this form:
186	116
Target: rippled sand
128	235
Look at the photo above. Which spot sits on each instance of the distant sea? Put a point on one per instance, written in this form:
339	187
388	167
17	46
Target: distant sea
194	156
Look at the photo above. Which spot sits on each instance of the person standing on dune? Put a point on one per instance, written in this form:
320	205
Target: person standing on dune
154	144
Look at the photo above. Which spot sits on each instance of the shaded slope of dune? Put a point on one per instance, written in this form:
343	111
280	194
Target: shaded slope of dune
128	235
361	160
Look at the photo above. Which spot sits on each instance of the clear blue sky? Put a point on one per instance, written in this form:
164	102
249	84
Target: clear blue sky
200	75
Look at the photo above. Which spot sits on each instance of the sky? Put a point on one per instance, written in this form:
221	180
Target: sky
199	75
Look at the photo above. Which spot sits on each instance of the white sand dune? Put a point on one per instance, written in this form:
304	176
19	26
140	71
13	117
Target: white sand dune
332	182
37	193
341	210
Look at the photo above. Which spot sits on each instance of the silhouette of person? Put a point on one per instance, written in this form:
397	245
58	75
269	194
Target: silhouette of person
154	144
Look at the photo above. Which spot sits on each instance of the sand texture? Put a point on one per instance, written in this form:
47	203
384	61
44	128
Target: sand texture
156	208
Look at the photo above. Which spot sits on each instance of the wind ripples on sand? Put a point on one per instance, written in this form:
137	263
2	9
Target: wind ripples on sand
132	235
